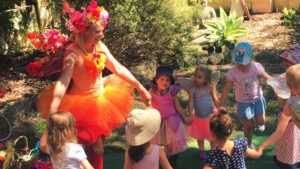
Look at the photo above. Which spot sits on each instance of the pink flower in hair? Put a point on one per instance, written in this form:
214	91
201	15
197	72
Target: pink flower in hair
93	5
105	17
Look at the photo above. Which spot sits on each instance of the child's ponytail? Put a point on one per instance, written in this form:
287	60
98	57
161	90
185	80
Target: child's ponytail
221	125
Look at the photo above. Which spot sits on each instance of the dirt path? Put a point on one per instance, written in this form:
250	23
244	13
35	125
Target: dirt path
269	38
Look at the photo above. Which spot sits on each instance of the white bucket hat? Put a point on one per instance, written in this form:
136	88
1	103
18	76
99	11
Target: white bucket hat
142	126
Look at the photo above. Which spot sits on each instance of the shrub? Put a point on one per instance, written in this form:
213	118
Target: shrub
292	19
149	30
39	127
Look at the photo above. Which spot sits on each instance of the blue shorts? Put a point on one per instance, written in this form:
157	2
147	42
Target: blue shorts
248	111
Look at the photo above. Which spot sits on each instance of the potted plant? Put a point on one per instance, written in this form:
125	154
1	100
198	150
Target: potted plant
225	31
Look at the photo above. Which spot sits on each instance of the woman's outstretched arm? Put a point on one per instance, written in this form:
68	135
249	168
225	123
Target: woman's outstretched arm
63	82
121	71
284	120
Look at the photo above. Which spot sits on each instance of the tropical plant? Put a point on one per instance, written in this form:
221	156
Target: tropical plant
227	30
289	16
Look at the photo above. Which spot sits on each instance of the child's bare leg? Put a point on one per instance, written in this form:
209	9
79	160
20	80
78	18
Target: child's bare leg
247	127
260	119
202	153
201	144
261	122
212	145
98	147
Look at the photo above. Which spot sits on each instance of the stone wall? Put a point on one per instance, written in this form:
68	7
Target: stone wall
256	5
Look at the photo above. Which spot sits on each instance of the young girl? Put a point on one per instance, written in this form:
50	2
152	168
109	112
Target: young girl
287	135
172	132
141	127
202	97
60	142
229	154
245	74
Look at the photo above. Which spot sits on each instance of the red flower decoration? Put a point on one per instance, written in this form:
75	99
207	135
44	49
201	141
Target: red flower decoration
91	67
34	68
50	41
32	35
96	55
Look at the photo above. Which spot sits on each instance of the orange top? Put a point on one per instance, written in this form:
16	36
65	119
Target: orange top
87	78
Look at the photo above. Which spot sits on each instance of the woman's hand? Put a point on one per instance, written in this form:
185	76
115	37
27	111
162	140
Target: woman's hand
145	96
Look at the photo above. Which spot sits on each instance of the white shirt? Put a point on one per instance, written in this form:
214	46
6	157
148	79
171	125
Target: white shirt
71	157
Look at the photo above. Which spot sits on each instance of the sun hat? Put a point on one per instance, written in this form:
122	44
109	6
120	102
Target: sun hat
142	126
242	53
292	53
164	70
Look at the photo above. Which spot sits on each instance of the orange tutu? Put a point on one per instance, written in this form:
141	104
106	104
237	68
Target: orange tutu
95	115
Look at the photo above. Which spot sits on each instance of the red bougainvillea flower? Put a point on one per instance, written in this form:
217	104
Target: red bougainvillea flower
48	41
2	93
32	35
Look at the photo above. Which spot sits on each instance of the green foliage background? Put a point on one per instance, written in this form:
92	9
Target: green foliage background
143	30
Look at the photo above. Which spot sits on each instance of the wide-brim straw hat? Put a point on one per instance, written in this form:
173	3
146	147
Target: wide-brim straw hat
142	126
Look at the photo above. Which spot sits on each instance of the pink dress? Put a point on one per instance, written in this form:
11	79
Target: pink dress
287	148
150	161
204	110
172	132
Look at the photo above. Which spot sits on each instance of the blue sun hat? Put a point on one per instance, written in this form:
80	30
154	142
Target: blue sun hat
242	53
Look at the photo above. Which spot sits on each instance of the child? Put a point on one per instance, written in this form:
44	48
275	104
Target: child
172	132
229	154
245	74
287	135
141	127
59	141
201	98
292	107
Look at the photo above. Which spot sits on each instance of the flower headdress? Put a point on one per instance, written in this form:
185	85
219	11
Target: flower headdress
79	21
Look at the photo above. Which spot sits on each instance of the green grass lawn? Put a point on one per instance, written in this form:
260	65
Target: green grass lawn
190	159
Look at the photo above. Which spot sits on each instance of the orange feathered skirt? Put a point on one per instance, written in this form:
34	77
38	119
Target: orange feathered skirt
95	115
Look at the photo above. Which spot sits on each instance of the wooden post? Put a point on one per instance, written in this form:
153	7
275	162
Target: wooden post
262	6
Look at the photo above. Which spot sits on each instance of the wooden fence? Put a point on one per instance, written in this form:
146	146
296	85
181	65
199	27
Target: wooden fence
258	6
